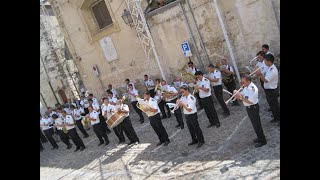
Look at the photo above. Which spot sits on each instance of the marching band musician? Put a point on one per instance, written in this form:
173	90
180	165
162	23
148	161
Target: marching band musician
107	111
133	92
97	127
177	112
48	115
155	120
48	131
249	97
191	69
76	113
126	124
127	81
83	115
188	103
84	103
114	92
270	80
228	79
72	131
265	49
112	100
215	77
162	103
149	85
94	100
261	64
203	85
63	136
102	121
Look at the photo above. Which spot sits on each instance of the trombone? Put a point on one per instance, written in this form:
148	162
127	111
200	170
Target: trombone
234	94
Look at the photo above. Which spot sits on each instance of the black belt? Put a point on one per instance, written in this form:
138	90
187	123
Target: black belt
271	89
191	114
253	106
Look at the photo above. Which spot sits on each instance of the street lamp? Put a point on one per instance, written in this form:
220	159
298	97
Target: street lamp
126	16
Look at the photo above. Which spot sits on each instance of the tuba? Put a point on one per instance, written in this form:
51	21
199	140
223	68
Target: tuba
141	104
188	77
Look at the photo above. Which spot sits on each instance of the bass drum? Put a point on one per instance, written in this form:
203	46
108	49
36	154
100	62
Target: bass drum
115	119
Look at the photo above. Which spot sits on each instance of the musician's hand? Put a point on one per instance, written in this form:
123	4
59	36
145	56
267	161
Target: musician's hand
180	104
146	109
238	96
258	73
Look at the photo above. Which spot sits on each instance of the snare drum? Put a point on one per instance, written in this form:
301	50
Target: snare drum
115	119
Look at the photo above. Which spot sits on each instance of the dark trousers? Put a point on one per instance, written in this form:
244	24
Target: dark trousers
218	93
43	137
81	128
194	128
272	98
231	86
104	123
75	137
128	130
178	114
49	133
64	137
119	132
253	113
86	110
152	93
100	132
262	84
161	105
156	124
198	99
139	112
211	112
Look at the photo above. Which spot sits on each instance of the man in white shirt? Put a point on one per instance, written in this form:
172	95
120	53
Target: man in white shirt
114	92
72	131
174	95
133	93
63	136
109	110
270	80
48	131
215	77
149	85
249	97
84	103
265	49
203	85
155	120
188	103
192	69
261	64
76	113
102	121
97	127
127	82
95	100
162	104
228	79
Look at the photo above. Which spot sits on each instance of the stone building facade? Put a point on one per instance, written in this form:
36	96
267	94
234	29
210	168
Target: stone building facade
249	25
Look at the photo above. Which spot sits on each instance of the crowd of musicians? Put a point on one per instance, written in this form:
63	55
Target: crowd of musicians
160	100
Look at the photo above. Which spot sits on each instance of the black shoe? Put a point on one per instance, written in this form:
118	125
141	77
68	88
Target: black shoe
177	126
159	143
82	148
192	143
121	141
131	142
210	125
256	140
108	131
218	125
69	146
235	104
85	136
106	143
53	148
199	145
274	120
166	143
164	117
226	114
77	149
169	115
259	144
141	122
100	144
182	127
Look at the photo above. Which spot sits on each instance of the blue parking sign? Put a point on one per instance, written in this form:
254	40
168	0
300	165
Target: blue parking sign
186	49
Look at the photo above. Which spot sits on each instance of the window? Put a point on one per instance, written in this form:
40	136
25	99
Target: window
101	14
156	4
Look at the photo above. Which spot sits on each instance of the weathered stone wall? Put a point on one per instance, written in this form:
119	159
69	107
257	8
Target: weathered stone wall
249	23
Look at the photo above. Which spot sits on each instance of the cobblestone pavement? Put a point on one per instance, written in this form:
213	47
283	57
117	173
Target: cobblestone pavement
228	153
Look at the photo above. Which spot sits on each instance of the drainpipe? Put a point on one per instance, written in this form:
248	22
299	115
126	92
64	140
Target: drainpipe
44	101
227	39
275	14
198	32
48	78
191	35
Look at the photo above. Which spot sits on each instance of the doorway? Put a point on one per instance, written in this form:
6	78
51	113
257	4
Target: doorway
63	96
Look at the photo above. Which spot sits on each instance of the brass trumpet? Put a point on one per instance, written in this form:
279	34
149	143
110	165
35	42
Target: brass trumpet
85	121
168	96
176	106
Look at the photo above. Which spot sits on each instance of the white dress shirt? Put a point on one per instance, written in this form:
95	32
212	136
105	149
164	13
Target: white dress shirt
45	121
190	102
95	115
77	114
271	77
154	104
114	92
149	83
214	75
205	83
135	93
263	67
59	121
69	120
250	93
